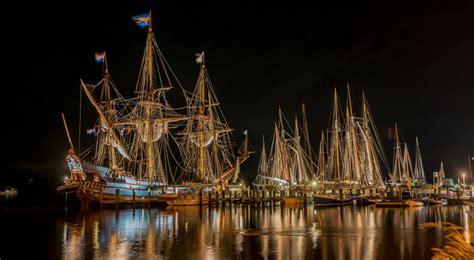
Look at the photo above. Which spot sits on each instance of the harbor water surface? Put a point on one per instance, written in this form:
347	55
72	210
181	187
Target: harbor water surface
227	232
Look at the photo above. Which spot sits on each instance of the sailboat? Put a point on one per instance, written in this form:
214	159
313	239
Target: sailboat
300	172
401	164
372	156
355	155
419	172
264	180
135	157
288	167
336	179
440	182
206	146
130	163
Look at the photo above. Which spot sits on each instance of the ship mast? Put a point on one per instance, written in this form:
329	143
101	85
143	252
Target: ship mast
335	137
374	150
407	166
397	159
419	172
298	156
355	148
283	146
202	97
307	143
108	108
148	117
263	164
370	174
151	115
322	162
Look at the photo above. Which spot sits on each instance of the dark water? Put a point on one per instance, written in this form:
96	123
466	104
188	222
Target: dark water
237	232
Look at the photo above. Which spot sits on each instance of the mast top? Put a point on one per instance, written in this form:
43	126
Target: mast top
149	22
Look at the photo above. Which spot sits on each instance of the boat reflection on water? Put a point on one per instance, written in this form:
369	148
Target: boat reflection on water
272	232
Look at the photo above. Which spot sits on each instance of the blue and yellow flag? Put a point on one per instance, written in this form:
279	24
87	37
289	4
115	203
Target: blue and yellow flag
142	20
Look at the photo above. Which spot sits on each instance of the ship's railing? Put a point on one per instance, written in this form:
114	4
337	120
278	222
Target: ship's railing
92	185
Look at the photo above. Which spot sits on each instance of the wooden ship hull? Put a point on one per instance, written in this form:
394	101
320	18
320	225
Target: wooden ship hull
330	200
101	189
388	203
368	200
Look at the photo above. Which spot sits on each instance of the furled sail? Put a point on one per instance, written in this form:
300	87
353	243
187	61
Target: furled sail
206	139
158	129
116	141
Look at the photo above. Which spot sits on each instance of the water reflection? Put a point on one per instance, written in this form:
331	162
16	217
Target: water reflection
243	232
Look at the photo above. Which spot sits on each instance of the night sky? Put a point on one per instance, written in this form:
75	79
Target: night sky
415	64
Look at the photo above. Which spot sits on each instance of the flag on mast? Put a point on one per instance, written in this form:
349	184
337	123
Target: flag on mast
199	57
142	20
91	132
99	57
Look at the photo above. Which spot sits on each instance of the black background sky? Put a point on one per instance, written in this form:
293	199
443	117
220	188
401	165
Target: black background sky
414	62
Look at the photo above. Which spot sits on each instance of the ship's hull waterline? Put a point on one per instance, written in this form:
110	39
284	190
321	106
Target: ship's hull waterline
326	200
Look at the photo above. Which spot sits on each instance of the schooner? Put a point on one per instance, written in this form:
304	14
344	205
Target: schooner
288	166
354	154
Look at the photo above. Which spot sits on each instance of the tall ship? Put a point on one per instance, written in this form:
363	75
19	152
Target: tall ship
146	150
288	167
206	146
352	157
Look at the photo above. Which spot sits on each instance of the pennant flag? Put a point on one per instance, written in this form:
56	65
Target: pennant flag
246	132
199	57
91	132
142	20
390	134
99	57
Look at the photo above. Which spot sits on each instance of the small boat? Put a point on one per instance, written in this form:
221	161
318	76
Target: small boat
413	203
8	192
330	200
388	203
370	199
437	202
